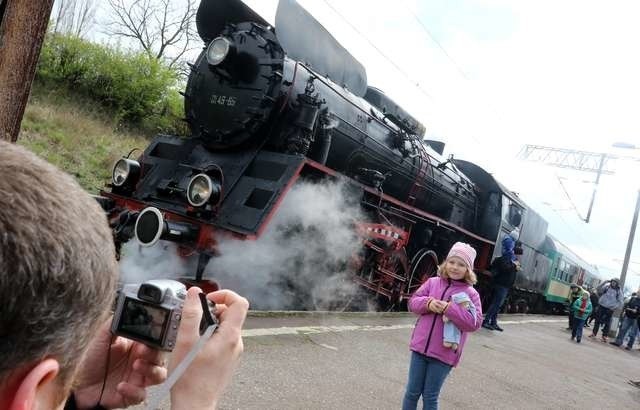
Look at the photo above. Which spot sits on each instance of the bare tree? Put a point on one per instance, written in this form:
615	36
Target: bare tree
74	16
163	30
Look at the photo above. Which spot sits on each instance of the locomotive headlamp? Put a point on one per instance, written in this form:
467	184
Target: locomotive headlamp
201	189
218	50
125	170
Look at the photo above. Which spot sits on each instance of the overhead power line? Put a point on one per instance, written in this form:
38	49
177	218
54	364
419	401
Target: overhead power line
400	70
432	37
564	189
587	244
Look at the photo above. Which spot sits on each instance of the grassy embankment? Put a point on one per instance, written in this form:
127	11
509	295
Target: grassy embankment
77	135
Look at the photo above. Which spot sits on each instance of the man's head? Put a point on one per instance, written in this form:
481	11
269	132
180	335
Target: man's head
57	272
615	283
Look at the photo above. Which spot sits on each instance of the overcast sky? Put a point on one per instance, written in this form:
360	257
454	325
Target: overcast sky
489	76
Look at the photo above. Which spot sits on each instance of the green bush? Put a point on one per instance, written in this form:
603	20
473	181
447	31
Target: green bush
140	90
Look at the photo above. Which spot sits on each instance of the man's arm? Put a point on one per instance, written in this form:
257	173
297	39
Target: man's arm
201	386
132	368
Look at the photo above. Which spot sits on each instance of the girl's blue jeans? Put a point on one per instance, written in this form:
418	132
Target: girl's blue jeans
426	377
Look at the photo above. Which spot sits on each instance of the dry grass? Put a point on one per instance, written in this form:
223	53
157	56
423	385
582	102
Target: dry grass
75	135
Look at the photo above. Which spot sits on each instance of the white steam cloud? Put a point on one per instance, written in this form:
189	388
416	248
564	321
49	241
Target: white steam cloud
299	262
161	261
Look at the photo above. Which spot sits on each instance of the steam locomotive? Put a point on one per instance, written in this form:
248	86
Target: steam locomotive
270	106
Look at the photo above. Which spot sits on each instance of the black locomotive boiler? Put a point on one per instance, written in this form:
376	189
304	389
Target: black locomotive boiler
269	106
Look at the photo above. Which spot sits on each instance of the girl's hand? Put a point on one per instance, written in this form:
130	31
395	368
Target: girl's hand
437	306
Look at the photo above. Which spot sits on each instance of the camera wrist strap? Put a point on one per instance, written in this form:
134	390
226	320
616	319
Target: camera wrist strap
165	388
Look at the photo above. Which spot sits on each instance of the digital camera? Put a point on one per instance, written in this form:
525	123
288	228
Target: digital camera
150	312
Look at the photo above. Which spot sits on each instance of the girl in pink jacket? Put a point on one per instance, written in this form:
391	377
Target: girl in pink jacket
431	361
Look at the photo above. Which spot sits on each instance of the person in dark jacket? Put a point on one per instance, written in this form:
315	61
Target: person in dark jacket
631	311
610	299
504	276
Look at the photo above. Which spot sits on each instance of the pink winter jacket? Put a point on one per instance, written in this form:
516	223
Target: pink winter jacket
427	334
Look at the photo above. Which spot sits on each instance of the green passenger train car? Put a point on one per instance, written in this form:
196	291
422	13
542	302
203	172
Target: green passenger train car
566	268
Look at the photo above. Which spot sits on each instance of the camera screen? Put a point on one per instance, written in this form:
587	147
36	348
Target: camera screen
143	320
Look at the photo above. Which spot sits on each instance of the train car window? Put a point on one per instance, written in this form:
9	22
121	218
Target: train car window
511	212
554	269
564	271
515	215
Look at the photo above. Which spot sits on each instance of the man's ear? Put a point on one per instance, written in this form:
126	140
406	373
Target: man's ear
37	389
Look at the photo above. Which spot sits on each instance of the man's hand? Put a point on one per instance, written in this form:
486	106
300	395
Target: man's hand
132	367
202	384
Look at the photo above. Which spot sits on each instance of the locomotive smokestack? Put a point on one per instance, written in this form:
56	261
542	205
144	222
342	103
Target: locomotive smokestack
152	227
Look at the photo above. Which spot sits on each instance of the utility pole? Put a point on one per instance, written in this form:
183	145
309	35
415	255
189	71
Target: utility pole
595	188
632	235
23	25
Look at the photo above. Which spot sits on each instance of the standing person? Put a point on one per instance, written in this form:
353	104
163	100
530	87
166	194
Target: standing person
58	277
610	299
504	276
631	312
594	304
574	293
430	360
581	308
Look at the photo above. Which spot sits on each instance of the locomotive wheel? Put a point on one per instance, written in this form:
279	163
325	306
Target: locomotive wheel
396	264
423	266
383	275
517	306
522	307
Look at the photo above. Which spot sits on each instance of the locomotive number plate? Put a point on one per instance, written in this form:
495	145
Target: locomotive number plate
222	100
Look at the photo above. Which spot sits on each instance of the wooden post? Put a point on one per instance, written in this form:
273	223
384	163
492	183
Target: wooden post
23	25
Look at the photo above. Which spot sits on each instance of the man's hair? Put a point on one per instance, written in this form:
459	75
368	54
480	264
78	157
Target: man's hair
58	269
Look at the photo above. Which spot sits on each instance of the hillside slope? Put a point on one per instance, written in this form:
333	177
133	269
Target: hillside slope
76	135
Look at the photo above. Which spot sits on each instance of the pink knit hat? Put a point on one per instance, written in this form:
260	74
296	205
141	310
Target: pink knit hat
463	251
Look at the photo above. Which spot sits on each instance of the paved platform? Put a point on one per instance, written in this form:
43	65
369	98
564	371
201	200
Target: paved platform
361	362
